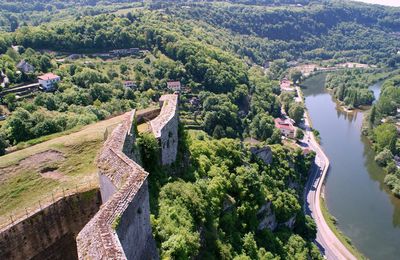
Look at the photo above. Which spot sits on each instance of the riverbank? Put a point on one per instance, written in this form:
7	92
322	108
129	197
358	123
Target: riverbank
331	221
331	242
355	192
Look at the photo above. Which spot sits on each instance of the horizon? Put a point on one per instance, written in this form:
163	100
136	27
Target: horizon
394	3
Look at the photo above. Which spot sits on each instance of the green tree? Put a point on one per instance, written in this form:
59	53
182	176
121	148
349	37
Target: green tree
385	137
11	101
262	126
299	134
3	144
88	77
296	112
295	75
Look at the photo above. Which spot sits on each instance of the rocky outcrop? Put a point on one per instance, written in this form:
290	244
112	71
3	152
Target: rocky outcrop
263	153
266	217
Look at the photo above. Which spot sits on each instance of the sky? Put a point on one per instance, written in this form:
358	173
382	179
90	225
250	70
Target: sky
382	2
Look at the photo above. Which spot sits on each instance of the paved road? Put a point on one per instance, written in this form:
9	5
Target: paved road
328	243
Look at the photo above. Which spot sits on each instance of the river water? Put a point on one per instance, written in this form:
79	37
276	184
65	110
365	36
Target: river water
355	192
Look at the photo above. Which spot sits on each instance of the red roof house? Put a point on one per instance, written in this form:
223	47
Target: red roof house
286	127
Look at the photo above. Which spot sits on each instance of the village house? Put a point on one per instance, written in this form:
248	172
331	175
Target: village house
286	127
48	81
174	85
25	67
129	84
285	85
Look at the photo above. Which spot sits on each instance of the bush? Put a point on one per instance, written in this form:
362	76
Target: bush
383	157
3	144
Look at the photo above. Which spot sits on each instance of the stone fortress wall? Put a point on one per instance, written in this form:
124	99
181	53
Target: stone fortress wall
165	128
121	229
50	233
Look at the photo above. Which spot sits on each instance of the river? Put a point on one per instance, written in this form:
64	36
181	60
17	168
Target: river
355	192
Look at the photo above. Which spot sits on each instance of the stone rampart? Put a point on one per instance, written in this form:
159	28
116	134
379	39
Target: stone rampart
50	233
165	128
121	229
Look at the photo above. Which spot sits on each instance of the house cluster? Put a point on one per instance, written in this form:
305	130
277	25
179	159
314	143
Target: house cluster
286	85
130	84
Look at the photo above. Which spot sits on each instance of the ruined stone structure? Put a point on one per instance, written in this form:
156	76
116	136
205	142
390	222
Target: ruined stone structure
165	128
121	229
50	233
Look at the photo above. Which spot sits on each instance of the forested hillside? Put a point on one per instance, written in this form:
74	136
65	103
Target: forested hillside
318	30
14	14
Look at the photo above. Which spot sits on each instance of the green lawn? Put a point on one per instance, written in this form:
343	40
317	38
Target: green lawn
42	171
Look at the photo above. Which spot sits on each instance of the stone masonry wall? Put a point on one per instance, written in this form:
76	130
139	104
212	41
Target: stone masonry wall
165	128
50	233
121	229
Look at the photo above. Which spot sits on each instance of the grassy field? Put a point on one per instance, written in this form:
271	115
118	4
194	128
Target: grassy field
44	170
331	221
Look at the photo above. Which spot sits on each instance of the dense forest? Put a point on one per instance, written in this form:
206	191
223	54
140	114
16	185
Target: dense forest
351	87
215	208
320	29
14	14
382	127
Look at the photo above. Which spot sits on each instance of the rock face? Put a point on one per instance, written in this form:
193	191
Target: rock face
266	217
290	223
165	128
50	233
121	229
264	154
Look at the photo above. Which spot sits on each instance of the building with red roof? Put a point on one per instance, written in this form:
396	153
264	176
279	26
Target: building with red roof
286	127
48	81
285	85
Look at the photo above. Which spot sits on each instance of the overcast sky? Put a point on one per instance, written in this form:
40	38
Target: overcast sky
382	2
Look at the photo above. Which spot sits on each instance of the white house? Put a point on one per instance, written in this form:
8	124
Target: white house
48	80
174	85
129	84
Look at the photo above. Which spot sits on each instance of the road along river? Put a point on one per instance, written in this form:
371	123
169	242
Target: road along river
355	193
